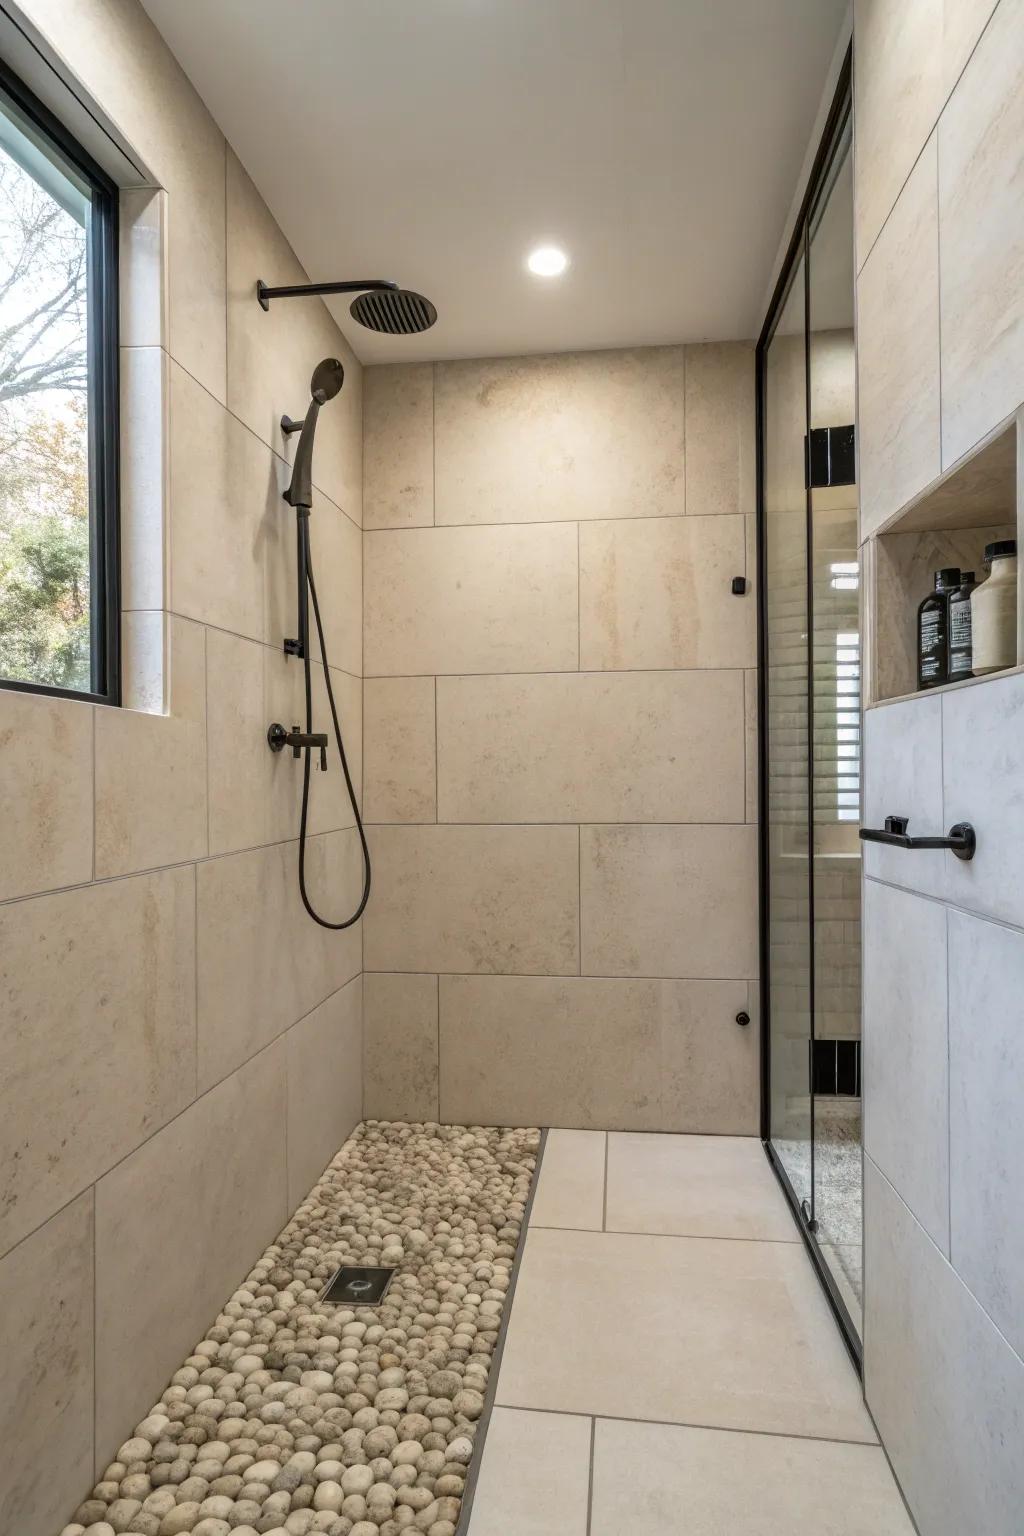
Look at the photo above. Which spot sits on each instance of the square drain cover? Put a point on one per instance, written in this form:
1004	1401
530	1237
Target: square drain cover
357	1285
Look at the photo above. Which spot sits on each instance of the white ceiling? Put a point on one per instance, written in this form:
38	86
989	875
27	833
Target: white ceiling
436	141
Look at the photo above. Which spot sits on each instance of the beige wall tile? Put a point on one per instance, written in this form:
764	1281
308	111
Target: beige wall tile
325	1086
46	792
46	1407
398	446
720	445
473	899
981	231
209	1191
577	435
151	770
471	600
597	1053
144	661
898	342
98	1045
899	92
657	593
398	720
963	22
144	527
241	765
400	1047
271	355
284	700
263	963
142	267
221	490
579	746
669	901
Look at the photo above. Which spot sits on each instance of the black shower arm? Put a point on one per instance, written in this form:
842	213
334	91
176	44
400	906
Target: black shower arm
310	290
961	839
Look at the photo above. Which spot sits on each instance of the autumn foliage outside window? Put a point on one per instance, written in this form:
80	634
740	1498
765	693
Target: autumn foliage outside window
55	571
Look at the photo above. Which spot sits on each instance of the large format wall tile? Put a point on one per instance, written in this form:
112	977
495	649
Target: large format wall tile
151	770
638	746
669	901
219	498
206	1194
945	1389
903	777
899	91
906	1076
898	427
981	231
596	1053
98	1045
471	600
657	592
46	793
474	899
400	1047
325	1086
983	770
539	439
986	1135
720	460
272	353
398	446
401	754
263	963
46	1407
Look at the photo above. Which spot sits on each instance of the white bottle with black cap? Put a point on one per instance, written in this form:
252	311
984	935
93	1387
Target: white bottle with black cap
994	611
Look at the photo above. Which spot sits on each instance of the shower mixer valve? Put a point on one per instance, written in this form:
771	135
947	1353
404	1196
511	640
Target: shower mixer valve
278	738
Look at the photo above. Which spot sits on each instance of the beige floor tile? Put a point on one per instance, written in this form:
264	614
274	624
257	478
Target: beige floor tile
706	1482
695	1186
534	1477
731	1335
570	1192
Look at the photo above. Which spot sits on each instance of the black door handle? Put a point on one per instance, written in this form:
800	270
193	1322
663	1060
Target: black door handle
960	840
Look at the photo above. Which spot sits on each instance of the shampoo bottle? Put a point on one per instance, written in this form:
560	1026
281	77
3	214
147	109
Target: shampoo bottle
994	611
933	630
960	647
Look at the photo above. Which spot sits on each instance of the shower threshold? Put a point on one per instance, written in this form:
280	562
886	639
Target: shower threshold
307	1410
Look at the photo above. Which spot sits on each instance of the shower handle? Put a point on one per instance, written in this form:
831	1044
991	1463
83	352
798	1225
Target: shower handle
961	838
278	738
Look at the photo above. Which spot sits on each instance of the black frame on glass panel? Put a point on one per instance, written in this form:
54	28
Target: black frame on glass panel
103	409
798	250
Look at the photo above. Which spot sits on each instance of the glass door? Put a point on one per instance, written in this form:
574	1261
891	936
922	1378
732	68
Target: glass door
810	728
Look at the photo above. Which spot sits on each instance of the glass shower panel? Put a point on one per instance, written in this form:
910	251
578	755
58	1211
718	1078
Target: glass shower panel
835	705
787	733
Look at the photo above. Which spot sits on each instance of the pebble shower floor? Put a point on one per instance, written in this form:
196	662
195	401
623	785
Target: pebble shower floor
292	1416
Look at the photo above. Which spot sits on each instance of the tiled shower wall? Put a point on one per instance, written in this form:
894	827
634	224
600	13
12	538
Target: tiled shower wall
558	718
180	1051
940	237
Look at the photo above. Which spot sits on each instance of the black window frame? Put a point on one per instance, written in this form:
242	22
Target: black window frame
103	395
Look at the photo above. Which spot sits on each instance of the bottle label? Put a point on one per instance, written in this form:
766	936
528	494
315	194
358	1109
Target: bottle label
960	638
931	645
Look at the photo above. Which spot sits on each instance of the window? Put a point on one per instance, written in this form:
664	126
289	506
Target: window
59	596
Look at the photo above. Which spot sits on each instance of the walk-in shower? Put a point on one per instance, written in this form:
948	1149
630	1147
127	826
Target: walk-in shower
383	307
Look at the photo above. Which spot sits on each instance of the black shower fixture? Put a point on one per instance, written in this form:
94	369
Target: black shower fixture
381	305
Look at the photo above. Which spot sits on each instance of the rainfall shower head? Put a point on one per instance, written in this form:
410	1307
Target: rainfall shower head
381	306
393	311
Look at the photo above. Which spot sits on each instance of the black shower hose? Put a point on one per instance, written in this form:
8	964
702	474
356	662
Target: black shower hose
307	664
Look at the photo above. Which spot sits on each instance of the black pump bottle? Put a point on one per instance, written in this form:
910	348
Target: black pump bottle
933	630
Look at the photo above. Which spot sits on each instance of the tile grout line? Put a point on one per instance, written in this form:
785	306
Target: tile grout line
724	1429
590	1476
682	1237
604	1205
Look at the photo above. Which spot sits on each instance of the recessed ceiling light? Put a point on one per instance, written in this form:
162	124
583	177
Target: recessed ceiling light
547	261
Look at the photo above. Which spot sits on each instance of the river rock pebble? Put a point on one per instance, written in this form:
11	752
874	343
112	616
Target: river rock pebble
293	1417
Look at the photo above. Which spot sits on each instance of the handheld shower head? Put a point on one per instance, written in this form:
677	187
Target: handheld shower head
328	377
